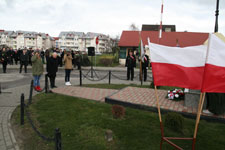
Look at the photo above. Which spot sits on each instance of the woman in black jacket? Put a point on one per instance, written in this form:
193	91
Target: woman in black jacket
52	68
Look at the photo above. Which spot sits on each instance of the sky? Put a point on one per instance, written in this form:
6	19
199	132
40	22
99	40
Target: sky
109	17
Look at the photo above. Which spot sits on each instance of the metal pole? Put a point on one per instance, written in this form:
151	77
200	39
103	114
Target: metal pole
31	91
58	144
110	77
217	14
46	83
95	54
0	88
80	77
91	66
22	109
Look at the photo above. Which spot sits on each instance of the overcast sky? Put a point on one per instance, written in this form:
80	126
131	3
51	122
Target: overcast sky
108	16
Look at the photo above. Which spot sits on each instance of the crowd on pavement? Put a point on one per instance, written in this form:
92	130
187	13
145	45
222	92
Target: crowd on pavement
53	58
22	57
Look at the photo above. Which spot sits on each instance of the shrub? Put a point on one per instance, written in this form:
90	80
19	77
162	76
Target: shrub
85	61
174	122
118	111
106	61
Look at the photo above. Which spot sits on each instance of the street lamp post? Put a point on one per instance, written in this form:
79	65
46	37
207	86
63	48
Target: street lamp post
217	14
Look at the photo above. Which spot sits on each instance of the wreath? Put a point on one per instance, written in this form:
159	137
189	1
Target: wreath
175	94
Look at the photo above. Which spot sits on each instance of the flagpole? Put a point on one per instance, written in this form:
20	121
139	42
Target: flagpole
200	105
160	116
140	58
160	27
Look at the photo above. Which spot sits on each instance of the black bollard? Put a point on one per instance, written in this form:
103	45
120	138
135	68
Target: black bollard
80	77
109	76
22	109
31	91
58	144
46	83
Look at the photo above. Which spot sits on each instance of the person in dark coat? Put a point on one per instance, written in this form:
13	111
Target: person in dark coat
24	59
19	52
43	56
130	64
144	65
30	51
4	59
52	68
16	56
78	60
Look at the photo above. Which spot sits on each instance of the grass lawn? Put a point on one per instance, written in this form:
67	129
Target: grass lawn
120	86
83	124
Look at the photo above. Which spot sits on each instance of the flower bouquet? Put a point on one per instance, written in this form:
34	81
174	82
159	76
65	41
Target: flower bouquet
176	94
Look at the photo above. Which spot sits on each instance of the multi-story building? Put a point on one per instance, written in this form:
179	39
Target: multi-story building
89	40
22	39
81	41
70	40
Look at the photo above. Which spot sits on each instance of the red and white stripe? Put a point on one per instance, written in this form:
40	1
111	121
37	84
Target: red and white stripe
214	76
175	66
160	28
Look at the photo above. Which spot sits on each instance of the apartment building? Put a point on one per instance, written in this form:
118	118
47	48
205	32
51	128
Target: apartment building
81	41
70	40
22	39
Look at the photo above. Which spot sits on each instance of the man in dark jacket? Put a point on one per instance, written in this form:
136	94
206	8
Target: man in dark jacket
144	65
52	68
24	59
130	64
4	59
16	56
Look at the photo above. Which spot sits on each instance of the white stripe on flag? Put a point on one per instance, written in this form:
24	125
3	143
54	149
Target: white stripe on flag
216	54
193	56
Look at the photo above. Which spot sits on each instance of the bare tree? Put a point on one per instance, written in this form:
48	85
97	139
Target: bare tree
134	27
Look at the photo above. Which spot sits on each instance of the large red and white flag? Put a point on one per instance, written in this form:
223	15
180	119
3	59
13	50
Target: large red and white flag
214	76
175	66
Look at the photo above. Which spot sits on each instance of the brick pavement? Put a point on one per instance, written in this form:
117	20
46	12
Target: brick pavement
146	97
87	93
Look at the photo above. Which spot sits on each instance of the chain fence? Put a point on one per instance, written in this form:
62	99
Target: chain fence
24	111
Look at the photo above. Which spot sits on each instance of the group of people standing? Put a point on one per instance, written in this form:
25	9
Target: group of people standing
9	56
37	58
131	64
51	68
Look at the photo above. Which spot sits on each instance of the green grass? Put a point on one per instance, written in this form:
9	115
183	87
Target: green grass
83	124
120	86
114	86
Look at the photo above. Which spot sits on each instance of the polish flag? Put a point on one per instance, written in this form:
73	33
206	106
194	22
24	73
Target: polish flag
175	66
214	76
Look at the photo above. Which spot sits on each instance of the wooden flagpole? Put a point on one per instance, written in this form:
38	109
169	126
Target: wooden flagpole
160	116
140	40
157	103
200	105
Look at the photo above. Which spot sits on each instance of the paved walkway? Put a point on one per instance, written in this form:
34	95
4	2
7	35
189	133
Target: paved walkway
8	103
87	93
146	97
